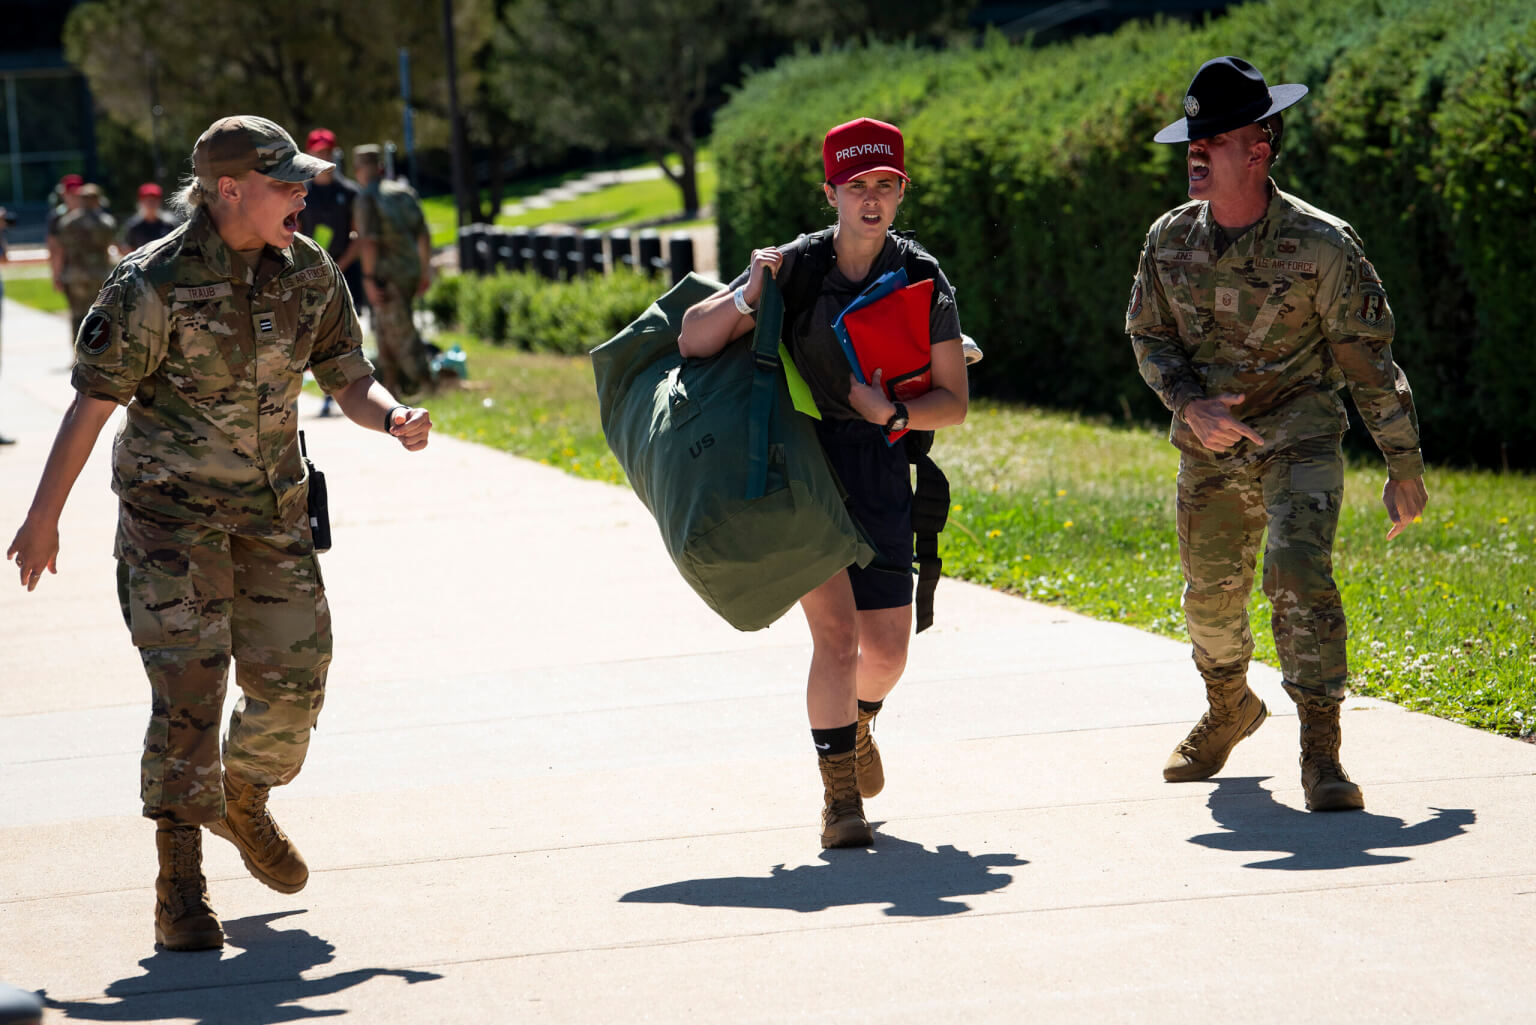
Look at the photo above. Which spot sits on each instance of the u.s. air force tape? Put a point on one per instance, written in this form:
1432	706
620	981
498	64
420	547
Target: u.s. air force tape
95	333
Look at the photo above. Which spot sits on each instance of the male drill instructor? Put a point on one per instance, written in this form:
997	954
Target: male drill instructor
1250	311
205	337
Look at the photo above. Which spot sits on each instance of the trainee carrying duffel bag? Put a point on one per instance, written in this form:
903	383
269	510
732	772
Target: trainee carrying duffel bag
748	507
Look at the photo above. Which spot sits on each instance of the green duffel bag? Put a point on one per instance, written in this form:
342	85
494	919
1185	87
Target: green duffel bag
747	504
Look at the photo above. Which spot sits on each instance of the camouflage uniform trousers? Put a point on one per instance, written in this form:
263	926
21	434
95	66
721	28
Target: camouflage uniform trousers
402	362
80	295
1295	492
194	597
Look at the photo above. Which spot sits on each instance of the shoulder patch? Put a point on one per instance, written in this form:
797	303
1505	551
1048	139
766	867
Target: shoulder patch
1368	271
95	333
1134	308
306	275
1373	307
202	293
108	295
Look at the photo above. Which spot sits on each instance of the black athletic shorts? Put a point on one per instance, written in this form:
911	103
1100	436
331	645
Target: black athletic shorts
878	480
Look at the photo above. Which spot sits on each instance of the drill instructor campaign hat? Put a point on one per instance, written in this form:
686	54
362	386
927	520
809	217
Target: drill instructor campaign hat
234	145
862	146
1227	93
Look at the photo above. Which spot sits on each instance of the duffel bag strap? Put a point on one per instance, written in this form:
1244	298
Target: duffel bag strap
765	382
930	511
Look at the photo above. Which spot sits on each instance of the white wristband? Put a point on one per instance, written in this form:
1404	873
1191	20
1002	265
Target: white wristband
740	298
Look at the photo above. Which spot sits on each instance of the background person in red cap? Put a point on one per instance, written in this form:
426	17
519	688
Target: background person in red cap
83	250
861	619
150	223
1249	312
64	198
205	337
330	202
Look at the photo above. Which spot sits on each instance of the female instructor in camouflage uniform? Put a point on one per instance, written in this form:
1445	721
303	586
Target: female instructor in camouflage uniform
205	336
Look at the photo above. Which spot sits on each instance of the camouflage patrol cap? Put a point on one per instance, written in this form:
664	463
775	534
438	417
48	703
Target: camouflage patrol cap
243	142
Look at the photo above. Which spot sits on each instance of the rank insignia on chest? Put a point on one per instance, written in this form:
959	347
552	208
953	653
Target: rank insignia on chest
265	323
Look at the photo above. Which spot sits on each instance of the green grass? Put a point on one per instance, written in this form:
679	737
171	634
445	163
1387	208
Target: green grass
614	207
1080	514
538	406
36	292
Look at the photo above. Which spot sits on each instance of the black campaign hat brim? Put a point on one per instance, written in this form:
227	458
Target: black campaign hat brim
1187	129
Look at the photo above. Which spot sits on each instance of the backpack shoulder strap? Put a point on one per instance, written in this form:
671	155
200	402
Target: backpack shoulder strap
812	264
930	496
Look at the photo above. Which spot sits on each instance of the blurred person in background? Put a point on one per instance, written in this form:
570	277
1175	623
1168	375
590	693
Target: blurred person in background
331	198
7	219
396	254
85	250
150	223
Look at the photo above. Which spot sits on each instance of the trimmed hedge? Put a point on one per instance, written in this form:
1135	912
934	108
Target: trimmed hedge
533	313
1035	178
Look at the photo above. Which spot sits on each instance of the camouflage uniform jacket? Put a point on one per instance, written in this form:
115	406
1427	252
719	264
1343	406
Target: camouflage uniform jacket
1287	316
387	212
84	237
208	356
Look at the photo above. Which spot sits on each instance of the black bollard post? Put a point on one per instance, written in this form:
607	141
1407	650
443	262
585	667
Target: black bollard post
620	249
521	243
680	255
503	247
545	256
592	252
568	246
648	259
467	249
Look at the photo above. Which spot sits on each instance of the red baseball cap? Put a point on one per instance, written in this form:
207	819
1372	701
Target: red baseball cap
862	147
71	182
150	189
321	137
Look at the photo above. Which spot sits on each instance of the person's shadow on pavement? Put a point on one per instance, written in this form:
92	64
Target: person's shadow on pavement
259	987
914	881
1256	822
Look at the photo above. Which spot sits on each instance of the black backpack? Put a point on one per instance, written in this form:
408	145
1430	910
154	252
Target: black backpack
930	496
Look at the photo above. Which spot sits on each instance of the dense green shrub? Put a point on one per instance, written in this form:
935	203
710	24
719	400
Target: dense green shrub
529	312
1035	178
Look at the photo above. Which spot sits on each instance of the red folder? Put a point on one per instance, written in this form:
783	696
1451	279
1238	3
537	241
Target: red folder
891	335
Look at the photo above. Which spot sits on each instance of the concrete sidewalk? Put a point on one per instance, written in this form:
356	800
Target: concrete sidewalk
549	786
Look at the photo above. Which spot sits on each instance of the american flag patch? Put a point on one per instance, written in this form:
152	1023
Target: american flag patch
107	296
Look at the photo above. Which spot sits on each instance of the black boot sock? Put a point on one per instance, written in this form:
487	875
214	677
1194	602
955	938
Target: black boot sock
835	741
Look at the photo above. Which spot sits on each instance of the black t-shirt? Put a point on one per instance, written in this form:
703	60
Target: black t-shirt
812	343
141	231
331	205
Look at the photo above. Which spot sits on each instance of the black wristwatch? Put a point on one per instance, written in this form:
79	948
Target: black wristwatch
898	420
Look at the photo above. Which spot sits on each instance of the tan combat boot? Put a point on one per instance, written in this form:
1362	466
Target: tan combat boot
867	755
183	919
266	850
1327	786
1235	713
842	818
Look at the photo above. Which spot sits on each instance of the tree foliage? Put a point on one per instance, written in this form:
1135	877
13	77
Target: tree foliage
325	62
642	73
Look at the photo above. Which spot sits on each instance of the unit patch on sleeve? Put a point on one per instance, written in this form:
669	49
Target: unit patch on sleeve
95	333
1134	308
1373	307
